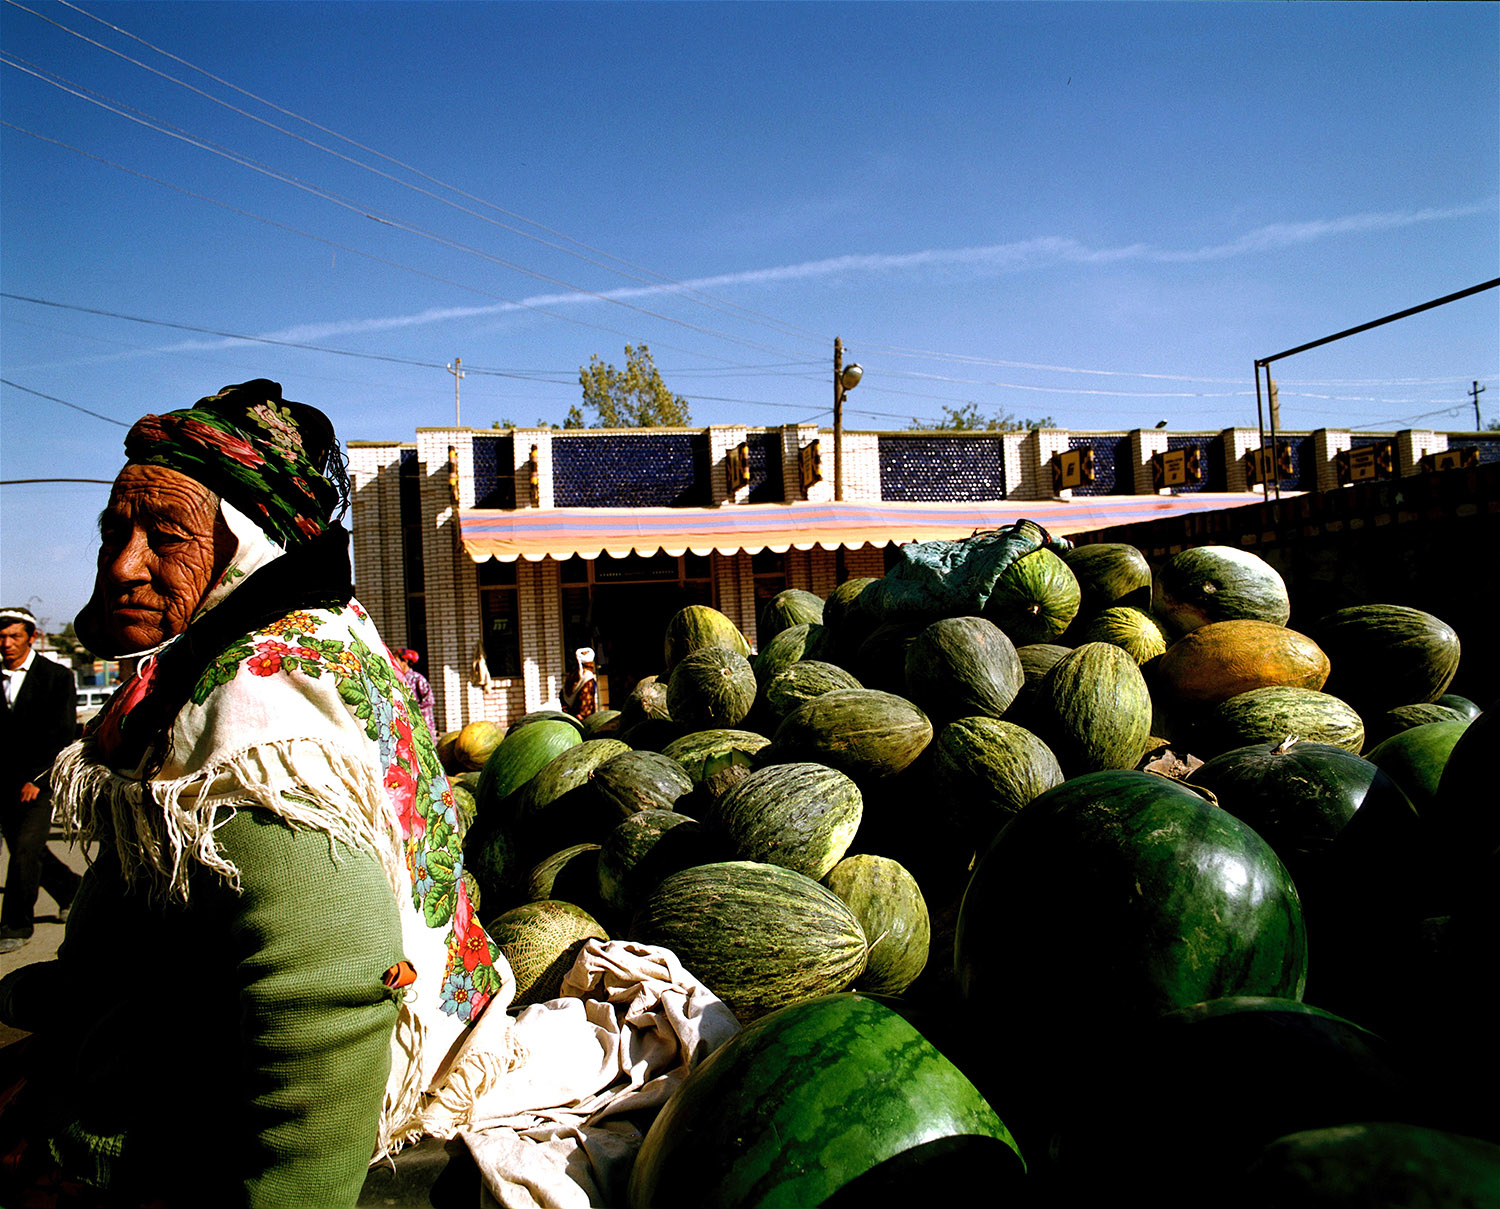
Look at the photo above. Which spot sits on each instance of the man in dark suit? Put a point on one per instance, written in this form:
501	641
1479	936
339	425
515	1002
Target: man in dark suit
38	721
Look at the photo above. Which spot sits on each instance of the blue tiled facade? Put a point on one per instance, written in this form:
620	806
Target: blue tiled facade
766	485
631	470
494	472
941	469
1487	444
1108	450
1210	460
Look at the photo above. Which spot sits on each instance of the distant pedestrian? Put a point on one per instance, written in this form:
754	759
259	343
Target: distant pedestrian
580	695
406	664
38	722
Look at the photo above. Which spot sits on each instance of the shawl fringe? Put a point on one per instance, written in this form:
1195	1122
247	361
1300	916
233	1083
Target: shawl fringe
162	830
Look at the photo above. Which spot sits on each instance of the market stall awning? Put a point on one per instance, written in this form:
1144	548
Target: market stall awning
536	533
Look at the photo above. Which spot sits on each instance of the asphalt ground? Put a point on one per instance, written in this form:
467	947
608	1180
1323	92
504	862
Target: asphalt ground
49	930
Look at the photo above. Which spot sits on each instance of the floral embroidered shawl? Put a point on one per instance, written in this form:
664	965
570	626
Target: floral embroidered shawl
304	716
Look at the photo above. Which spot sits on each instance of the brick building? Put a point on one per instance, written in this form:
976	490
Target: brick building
496	553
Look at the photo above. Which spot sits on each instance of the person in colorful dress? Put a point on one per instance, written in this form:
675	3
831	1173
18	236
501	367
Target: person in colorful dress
275	948
421	690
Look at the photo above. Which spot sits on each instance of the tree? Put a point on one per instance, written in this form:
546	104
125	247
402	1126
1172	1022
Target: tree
968	419
635	397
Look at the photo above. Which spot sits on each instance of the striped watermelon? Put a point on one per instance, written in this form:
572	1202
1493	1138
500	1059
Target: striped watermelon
840	1093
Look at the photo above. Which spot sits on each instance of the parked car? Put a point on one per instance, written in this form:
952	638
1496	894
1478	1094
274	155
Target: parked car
91	700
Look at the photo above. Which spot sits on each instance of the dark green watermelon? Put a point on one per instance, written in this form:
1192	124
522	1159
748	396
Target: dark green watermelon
807	1101
1218	583
641	780
802	681
1415	759
1131	889
520	756
696	628
643	849
1386	655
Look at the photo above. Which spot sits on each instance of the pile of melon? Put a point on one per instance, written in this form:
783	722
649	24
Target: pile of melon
1116	874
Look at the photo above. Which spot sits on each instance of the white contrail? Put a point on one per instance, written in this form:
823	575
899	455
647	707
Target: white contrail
1026	254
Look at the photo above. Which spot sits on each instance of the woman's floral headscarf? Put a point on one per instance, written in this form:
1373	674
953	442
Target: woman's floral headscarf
276	460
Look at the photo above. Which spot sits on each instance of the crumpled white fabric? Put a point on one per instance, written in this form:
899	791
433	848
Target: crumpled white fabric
561	1129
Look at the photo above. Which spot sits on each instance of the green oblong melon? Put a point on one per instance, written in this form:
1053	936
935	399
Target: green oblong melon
1094	710
888	903
802	816
1218	583
758	936
695	628
863	732
963	666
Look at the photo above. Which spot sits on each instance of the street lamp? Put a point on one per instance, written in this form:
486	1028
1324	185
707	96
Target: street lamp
845	378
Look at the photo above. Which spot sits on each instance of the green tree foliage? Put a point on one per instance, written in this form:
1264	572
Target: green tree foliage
634	397
968	419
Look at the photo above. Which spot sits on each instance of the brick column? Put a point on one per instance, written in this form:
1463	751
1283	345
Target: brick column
1143	446
1413	443
721	439
375	519
1237	443
1328	443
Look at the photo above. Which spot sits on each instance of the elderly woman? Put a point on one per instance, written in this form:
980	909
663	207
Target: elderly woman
274	949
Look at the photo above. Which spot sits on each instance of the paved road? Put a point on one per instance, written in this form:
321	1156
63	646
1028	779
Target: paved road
48	934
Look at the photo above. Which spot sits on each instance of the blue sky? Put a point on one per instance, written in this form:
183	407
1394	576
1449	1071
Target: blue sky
1100	213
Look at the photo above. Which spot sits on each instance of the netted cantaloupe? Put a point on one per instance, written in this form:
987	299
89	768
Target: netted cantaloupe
541	941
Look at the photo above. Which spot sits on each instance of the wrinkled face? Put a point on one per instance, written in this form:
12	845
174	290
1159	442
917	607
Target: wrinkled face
161	547
15	645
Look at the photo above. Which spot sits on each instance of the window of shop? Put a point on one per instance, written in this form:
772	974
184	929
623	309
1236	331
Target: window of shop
500	617
769	569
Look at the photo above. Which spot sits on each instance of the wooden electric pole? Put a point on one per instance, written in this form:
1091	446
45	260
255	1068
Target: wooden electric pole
1476	390
457	370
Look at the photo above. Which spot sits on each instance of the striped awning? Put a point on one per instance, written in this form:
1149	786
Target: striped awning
537	533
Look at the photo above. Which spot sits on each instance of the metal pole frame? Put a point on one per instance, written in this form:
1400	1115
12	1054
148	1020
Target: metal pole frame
1353	331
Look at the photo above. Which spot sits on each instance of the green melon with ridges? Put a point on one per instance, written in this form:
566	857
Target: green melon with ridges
759	936
794	606
541	941
559	805
1218	583
712	687
801	816
865	733
645	848
696	628
985	770
520	756
962	666
1109	574
1133	630
641	780
1269	715
888	903
799	683
781	651
804	1103
1035	599
1094	709
703	752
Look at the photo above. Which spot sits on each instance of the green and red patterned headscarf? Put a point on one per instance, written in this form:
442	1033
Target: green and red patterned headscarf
277	461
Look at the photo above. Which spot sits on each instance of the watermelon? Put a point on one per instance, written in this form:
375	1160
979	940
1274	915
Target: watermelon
560	805
571	874
520	756
782	651
802	816
817	1098
758	936
1415	758
1386	655
1132	888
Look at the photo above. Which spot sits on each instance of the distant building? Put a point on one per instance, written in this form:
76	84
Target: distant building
496	554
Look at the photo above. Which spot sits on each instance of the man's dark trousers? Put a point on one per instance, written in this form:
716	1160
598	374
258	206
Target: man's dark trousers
37	725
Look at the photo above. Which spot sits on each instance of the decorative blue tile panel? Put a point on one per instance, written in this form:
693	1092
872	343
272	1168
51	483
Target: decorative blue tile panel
940	468
1106	450
1210	456
766	486
1488	446
631	470
494	472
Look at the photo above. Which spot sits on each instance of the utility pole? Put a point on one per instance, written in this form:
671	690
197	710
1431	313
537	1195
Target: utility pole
456	369
1476	390
838	419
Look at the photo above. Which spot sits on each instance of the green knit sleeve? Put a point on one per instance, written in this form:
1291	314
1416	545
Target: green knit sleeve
313	929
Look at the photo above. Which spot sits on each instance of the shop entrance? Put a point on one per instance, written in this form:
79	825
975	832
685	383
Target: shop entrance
620	607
